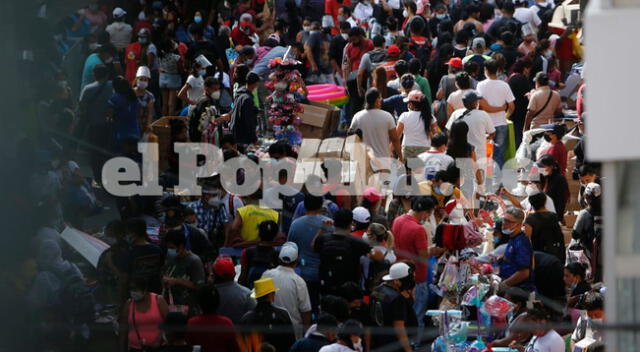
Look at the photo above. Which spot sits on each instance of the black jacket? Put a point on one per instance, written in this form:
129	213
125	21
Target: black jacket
244	117
274	323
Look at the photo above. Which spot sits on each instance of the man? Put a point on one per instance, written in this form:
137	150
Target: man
369	62
119	31
496	94
92	112
393	55
479	47
447	84
140	53
212	329
195	239
336	48
292	290
317	50
235	300
412	245
415	68
245	225
553	134
526	16
508	50
103	56
208	106
506	22
587	174
480	124
183	272
201	46
302	232
346	13
544	103
593	304
392	304
273	323
340	254
274	50
351	58
244	116
244	33
378	126
516	266
325	333
436	159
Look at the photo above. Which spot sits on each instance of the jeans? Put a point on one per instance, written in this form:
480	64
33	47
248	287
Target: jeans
420	307
500	144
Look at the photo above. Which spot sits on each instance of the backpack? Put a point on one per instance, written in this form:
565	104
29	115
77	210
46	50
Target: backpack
377	57
75	299
379	296
545	13
420	47
334	257
377	269
440	108
260	259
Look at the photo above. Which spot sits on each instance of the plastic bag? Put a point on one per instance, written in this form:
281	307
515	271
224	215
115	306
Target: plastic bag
475	294
498	307
449	278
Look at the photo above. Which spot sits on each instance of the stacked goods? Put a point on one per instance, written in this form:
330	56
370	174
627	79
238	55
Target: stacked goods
328	93
282	107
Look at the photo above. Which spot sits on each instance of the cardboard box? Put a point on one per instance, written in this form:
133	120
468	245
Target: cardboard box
319	120
309	148
331	148
334	116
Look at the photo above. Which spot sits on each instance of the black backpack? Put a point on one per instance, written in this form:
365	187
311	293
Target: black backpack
380	296
377	57
377	269
335	255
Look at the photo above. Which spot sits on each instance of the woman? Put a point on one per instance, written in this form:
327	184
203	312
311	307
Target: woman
381	239
588	225
396	105
193	89
454	101
170	75
543	229
145	98
379	80
416	126
575	279
544	338
462	152
438	68
124	111
520	85
555	184
141	318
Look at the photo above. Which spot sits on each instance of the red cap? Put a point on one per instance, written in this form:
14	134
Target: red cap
224	268
393	50
455	62
372	195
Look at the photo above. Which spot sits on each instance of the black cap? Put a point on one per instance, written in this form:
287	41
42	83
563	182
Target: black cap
252	77
470	97
555	128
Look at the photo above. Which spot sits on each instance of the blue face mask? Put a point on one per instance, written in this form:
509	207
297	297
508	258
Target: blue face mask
573	287
202	72
197	19
172	252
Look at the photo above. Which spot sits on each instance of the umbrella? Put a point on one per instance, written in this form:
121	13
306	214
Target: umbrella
89	247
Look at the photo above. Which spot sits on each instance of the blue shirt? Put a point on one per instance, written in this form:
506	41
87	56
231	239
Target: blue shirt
518	256
261	66
87	72
302	232
395	105
300	211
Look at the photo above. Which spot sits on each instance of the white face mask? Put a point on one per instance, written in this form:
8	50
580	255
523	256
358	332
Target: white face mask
215	95
405	14
306	28
345	36
531	189
142	84
544	172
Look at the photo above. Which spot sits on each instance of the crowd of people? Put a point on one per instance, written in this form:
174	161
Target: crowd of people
456	85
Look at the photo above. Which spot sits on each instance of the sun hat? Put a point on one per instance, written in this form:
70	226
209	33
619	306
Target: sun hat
263	287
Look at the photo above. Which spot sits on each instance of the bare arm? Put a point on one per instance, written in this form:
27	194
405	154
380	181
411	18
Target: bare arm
440	94
395	141
162	306
182	94
484	105
449	110
513	199
306	320
511	107
528	230
527	120
517	277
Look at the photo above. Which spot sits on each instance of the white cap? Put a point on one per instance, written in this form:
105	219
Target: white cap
361	214
397	271
143	71
202	61
118	12
593	189
288	252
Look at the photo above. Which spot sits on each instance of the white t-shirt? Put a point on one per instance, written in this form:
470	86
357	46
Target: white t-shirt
526	206
550	342
196	90
455	99
527	16
414	133
496	93
480	125
375	125
434	162
119	34
334	347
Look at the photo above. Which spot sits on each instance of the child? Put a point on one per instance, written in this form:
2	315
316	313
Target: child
193	89
554	75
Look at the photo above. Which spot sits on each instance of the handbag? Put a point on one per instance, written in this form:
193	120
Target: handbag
180	308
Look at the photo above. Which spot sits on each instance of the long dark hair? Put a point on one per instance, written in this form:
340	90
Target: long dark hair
425	113
121	86
458	146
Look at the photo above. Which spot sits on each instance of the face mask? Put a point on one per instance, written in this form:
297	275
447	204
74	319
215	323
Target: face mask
358	345
172	252
202	72
441	16
306	28
215	95
108	60
143	40
405	14
548	54
506	231
215	202
344	36
249	61
446	188
142	84
136	295
197	19
544	172
340	19
530	190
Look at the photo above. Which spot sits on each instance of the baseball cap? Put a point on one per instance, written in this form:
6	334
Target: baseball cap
593	189
288	252
393	50
372	195
397	271
478	43
224	268
470	97
143	71
414	96
118	12
455	62
361	214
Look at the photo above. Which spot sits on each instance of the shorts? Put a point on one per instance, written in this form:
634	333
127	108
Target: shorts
412	151
170	81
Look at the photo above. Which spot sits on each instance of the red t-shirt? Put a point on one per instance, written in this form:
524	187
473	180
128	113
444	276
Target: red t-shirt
213	332
131	60
411	238
559	152
359	233
354	53
240	38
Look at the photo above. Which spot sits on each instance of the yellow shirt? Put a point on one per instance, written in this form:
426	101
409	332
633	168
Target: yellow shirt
252	215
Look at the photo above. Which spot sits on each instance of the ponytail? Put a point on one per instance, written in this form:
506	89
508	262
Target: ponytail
426	115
